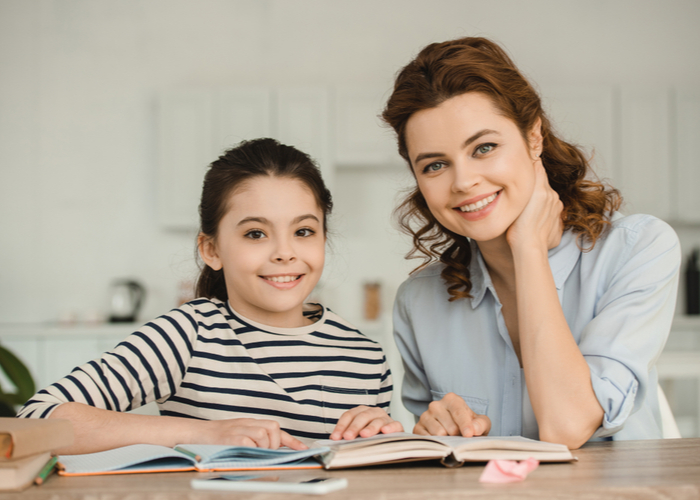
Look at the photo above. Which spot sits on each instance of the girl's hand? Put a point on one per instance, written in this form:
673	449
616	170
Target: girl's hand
252	432
364	421
540	222
451	416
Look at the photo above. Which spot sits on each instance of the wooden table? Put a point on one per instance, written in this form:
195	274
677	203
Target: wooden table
612	470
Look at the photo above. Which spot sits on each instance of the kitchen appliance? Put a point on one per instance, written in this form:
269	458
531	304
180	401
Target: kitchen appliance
126	298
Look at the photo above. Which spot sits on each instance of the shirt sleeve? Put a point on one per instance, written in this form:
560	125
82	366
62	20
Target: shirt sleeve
415	391
632	319
147	366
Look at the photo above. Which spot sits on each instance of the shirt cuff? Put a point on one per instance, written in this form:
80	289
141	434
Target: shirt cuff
616	387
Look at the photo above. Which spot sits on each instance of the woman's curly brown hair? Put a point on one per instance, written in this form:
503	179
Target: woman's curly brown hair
448	69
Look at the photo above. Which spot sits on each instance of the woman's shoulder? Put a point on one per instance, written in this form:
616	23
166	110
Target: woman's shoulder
427	280
638	237
639	230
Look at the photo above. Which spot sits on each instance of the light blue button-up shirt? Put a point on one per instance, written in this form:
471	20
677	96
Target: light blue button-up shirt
618	300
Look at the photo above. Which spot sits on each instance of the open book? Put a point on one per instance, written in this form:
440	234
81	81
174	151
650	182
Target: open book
191	457
453	451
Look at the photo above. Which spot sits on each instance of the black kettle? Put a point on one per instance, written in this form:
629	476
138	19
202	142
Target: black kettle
126	298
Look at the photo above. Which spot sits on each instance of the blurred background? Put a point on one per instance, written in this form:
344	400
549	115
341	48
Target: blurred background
111	110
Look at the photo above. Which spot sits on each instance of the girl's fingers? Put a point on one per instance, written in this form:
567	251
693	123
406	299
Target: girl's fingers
362	420
344	421
288	440
393	426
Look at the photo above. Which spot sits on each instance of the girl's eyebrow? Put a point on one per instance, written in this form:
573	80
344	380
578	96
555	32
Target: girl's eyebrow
263	220
473	138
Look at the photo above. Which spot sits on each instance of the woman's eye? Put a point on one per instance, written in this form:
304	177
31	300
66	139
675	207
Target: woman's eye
433	167
484	149
305	232
255	234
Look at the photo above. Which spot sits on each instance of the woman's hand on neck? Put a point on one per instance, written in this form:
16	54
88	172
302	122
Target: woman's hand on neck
539	227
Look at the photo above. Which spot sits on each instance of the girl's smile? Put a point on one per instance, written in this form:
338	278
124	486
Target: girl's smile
271	246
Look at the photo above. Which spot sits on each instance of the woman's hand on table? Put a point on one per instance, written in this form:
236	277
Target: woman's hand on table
451	416
364	421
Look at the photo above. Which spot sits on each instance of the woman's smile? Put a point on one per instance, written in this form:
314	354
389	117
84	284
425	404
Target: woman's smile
472	165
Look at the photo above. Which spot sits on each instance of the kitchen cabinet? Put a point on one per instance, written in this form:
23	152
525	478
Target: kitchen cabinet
52	351
586	116
361	137
687	159
646	165
196	126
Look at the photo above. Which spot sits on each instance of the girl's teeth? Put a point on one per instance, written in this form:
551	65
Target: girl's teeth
282	279
479	204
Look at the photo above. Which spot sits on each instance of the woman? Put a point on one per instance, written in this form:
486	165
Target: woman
539	309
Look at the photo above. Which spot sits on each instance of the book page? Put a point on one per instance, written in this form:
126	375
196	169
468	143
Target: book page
138	456
221	456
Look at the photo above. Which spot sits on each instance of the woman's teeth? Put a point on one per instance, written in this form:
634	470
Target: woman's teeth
479	204
282	279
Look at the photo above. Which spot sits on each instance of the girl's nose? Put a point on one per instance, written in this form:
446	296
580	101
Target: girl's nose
284	252
464	178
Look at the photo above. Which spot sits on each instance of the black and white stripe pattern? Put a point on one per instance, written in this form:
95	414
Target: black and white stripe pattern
203	360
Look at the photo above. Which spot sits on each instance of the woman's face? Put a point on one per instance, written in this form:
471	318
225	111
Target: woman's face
472	165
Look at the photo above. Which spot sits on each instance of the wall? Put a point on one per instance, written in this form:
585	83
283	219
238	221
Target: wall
79	77
78	81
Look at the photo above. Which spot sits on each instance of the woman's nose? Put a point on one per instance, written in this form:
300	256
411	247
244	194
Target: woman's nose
464	178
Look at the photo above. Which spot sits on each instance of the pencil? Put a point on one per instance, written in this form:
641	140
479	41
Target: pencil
46	471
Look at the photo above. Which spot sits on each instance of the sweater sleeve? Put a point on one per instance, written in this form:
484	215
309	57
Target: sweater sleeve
147	366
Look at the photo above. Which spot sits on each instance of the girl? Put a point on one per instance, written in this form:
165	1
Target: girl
543	309
247	363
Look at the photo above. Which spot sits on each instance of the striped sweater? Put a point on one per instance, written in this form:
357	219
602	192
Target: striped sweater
203	360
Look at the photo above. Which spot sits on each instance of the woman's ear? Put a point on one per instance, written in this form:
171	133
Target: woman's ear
208	252
535	138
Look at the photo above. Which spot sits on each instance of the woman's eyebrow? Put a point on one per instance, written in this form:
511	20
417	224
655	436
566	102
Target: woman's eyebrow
473	138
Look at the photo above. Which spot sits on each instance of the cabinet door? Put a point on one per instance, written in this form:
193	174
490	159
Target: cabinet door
687	128
646	156
241	114
585	116
361	138
184	152
302	122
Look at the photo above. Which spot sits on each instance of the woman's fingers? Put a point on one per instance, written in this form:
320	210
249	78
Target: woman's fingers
451	416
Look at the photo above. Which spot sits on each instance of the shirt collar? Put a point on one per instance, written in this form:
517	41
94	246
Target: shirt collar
562	260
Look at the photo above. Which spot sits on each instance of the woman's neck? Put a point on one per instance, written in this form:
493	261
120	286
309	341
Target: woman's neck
499	261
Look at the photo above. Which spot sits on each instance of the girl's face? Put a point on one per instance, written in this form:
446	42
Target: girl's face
271	246
472	165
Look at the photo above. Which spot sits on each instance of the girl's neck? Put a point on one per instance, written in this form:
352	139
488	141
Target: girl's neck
293	318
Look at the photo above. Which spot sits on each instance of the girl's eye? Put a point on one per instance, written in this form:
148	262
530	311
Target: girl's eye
433	167
255	234
305	232
484	149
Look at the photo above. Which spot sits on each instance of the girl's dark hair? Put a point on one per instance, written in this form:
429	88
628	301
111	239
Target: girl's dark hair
448	69
250	159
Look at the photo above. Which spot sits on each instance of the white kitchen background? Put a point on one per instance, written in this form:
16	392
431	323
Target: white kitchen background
110	112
